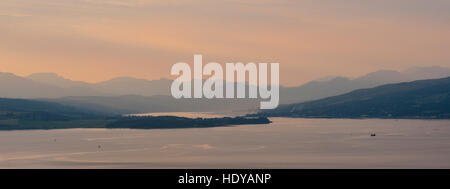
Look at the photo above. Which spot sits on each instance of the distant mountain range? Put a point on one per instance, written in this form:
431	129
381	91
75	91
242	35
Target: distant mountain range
339	85
51	85
417	99
131	95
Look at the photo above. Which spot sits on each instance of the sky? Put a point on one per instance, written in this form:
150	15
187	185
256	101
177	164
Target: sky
96	40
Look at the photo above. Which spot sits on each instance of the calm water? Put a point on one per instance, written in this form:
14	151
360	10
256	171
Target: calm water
286	143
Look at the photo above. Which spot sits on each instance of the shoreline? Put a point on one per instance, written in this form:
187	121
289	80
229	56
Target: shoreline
136	122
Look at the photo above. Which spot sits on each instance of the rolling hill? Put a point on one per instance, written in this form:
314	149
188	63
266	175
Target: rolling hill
23	109
333	86
417	99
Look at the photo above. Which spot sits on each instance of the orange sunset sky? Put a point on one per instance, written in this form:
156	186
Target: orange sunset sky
95	40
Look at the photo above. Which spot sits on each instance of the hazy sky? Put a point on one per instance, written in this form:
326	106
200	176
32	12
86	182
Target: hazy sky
94	40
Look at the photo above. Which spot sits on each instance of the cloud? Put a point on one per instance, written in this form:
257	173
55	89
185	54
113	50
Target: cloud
14	14
197	146
203	146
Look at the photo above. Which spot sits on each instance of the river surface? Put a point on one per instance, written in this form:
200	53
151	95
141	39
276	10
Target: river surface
286	143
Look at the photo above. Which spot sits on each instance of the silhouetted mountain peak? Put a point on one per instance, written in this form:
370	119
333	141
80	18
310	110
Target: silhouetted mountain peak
9	75
124	79
385	75
431	72
57	80
47	75
326	78
339	79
